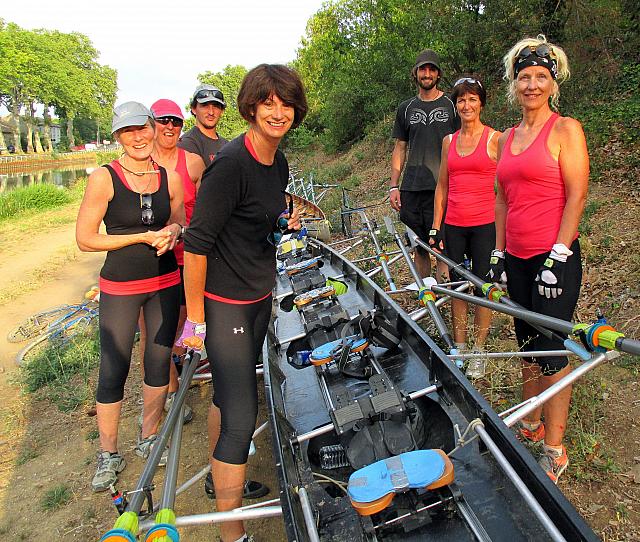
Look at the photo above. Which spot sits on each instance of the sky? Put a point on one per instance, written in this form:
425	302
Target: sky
159	48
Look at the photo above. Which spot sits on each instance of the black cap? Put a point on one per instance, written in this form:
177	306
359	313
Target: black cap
428	56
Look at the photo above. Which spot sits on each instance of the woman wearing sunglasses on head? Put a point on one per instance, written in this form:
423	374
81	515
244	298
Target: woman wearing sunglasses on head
169	119
465	190
543	173
230	269
141	206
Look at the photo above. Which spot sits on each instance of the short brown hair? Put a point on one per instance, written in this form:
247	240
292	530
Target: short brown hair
264	81
469	85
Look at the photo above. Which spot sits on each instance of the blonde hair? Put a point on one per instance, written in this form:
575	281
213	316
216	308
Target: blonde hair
557	53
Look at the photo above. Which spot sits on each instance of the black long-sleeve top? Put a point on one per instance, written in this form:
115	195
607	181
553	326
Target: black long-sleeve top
237	207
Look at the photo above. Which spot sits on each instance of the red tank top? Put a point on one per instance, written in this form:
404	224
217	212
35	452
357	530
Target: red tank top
534	193
471	199
189	198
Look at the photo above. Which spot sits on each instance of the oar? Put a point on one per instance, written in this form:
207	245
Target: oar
381	255
598	335
425	297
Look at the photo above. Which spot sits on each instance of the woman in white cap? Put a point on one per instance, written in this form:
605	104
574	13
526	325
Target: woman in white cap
169	120
141	205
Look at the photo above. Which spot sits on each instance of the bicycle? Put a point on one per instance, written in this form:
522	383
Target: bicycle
68	321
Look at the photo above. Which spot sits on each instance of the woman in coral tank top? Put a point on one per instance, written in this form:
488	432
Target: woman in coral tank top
543	172
466	190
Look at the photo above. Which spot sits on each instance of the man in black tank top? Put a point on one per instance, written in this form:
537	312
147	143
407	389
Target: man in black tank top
421	124
207	106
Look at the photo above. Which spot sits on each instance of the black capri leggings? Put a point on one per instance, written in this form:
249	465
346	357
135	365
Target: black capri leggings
522	289
476	242
118	321
235	334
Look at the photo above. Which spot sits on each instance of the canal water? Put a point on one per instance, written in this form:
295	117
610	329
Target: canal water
59	177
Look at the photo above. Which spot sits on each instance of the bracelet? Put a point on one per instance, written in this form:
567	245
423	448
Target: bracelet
393	188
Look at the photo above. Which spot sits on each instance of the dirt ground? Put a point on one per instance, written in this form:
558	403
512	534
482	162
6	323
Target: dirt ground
42	447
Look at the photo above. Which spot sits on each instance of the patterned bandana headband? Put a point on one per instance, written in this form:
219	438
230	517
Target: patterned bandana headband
536	56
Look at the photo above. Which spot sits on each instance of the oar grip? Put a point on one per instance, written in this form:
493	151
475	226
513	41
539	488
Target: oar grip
577	349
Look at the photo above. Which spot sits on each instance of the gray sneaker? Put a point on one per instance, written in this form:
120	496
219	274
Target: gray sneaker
188	411
477	366
144	446
109	466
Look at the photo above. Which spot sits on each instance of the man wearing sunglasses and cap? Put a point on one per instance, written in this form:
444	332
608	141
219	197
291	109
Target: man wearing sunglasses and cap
420	126
207	106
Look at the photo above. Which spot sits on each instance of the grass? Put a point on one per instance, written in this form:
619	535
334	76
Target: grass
62	372
37	196
28	453
56	497
104	157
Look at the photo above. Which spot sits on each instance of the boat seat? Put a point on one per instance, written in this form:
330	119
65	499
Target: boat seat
290	246
303	266
332	350
372	488
318	293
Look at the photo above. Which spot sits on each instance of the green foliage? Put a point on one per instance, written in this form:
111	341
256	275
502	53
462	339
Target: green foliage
104	157
356	58
228	81
63	370
56	497
37	196
55	69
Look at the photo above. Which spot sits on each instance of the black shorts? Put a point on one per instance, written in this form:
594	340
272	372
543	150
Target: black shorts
474	242
416	211
521	274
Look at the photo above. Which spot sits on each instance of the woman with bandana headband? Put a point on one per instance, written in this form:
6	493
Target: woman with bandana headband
543	172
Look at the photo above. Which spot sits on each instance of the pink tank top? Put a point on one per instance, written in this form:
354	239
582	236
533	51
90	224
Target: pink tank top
189	198
471	199
534	193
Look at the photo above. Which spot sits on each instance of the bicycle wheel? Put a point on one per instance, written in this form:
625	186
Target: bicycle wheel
31	350
36	324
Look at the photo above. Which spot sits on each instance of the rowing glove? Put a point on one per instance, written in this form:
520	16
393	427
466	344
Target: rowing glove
550	277
193	335
435	239
496	272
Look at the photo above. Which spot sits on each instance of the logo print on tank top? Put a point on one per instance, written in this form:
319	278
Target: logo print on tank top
439	114
237	330
418	116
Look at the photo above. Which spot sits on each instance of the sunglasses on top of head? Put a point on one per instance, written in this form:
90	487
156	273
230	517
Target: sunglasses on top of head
214	94
468	80
541	51
175	121
146	210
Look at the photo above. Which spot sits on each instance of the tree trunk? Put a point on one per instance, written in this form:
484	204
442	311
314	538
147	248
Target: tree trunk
47	129
29	125
3	145
70	137
37	143
15	124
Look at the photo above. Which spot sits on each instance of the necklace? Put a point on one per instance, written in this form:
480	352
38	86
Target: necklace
138	173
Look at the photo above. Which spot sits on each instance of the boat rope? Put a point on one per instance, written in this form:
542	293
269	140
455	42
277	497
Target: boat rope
325	478
462	440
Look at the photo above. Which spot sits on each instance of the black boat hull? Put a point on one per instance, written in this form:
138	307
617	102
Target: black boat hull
482	503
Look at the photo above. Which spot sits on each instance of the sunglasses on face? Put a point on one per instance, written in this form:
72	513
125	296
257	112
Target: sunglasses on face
146	210
213	94
541	51
175	121
468	80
